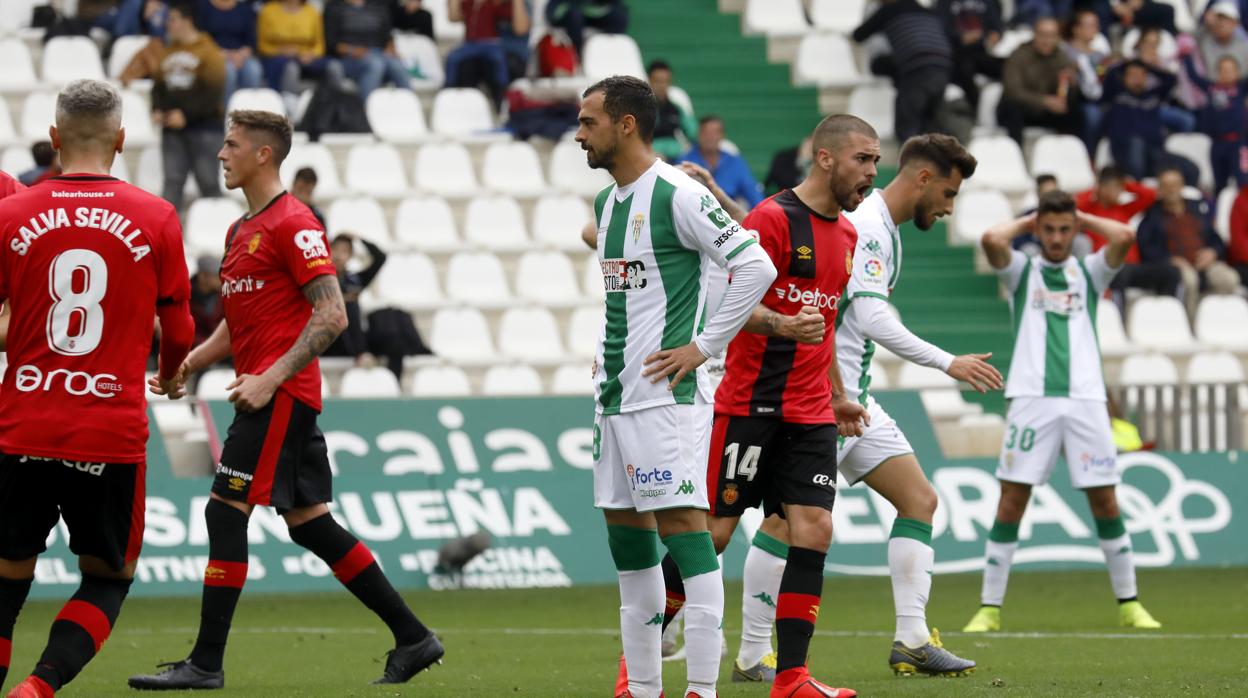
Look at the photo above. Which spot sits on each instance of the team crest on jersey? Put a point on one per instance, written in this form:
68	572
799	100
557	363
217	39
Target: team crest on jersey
849	262
253	244
623	275
730	495
639	222
803	252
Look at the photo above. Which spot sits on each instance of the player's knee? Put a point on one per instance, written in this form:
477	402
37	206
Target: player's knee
811	530
922	503
721	538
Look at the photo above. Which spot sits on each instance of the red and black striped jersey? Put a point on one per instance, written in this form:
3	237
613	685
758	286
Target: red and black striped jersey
777	377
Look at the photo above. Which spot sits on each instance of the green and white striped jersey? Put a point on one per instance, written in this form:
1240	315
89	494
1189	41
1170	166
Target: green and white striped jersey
658	238
1056	350
877	266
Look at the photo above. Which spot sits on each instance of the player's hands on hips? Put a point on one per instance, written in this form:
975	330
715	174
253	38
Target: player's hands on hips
975	369
677	363
806	327
851	417
251	393
175	387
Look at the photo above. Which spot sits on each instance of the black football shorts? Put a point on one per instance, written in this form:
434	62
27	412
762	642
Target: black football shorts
760	460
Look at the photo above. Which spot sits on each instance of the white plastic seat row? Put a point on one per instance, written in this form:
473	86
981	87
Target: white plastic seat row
500	380
462	336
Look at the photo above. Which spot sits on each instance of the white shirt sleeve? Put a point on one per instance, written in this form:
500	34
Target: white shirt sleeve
877	323
752	273
872	261
1012	274
1100	271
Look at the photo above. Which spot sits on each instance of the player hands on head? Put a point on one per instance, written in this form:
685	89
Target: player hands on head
283	307
83	297
1057	393
661	234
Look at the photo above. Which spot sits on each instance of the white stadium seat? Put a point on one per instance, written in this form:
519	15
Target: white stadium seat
825	60
124	49
443	27
584	326
409	282
440	381
359	216
840	16
532	335
591	278
612	54
1109	331
1148	369
421	52
212	384
462	336
377	382
258	99
781	18
496	223
572	379
69	58
8	134
547	278
395	114
151	174
319	158
916	377
1194	147
1000	165
1214	367
445	169
1222	322
1066	158
17	15
136	118
500	381
513	169
19	70
477	279
1159	323
570	172
976	210
462	113
375	169
38	113
1222	219
874	103
16	159
558	220
208	221
947	404
426	223
986	115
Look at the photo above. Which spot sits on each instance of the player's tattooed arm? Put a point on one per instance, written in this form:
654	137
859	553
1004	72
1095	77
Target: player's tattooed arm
329	319
806	327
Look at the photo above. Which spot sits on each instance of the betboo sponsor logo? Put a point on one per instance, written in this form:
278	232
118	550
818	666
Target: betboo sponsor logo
814	297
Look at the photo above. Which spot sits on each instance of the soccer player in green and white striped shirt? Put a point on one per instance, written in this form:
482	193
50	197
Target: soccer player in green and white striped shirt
659	233
1057	392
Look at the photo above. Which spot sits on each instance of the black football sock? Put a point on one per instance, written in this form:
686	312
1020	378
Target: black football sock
223	582
353	564
797	607
675	590
12	595
81	628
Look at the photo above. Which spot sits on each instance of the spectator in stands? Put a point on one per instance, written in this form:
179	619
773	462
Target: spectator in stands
789	167
290	38
922	62
1177	118
1088	50
232	25
133	17
731	171
575	16
1237	251
1135	13
47	164
206	306
1220	35
352	342
303	188
1179	232
1107	200
482	56
1222	118
188	80
1134	93
411	16
357	33
974	27
675	128
1038	78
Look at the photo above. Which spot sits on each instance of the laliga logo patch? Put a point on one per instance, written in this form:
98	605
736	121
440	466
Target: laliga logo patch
312	242
874	268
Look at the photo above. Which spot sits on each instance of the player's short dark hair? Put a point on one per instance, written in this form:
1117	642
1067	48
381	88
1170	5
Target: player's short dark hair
1134	63
659	64
1232	59
43	153
710	119
623	95
1056	201
1110	174
1046	178
306	174
274	127
186	8
1170	167
834	129
942	151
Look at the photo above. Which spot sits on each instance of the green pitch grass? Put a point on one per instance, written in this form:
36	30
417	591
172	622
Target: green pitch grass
1061	640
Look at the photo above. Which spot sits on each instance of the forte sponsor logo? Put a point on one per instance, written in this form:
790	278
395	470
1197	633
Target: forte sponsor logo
29	379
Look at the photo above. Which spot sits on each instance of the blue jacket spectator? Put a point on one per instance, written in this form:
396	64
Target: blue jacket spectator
1222	118
1134	94
731	172
492	30
232	25
575	16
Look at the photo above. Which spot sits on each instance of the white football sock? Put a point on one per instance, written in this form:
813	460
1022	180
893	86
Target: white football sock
763	570
998	556
641	601
910	565
704	614
1120	560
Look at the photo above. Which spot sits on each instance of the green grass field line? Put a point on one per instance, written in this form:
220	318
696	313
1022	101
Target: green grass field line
1060	639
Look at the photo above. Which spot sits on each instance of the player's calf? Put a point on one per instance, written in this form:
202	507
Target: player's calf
80	629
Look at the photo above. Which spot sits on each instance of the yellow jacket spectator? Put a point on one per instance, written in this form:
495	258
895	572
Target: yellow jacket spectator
290	38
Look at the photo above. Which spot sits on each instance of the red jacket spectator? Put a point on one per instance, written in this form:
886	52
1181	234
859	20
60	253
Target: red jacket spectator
1110	187
1237	250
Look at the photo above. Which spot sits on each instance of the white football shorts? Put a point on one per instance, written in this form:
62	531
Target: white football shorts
1038	429
653	458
